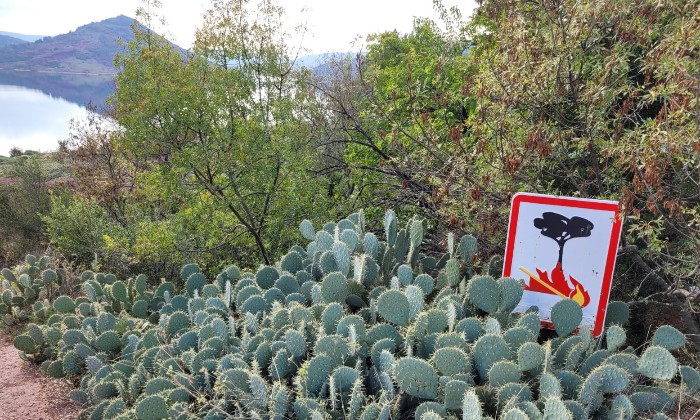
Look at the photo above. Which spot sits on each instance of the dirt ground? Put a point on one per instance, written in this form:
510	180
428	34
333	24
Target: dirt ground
26	393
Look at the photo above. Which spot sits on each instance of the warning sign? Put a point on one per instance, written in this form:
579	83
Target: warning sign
561	248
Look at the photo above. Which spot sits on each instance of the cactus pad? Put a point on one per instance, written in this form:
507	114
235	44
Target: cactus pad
668	337
393	306
503	372
566	316
153	407
334	288
64	305
416	377
451	361
483	292
657	363
488	350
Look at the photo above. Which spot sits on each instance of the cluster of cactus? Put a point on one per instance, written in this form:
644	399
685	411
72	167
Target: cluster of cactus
350	327
25	290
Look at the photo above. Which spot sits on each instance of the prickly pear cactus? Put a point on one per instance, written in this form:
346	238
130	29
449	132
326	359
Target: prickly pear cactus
356	325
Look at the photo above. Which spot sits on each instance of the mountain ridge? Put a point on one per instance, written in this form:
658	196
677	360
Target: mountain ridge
89	49
23	37
10	40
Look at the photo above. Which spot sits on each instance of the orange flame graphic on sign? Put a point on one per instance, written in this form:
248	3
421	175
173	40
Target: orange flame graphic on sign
557	285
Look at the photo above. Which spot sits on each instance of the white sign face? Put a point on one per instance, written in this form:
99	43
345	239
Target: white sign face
563	248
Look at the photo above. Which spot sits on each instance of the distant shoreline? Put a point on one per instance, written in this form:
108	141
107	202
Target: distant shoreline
74	73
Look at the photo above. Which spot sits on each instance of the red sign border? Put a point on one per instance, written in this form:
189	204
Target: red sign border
581	203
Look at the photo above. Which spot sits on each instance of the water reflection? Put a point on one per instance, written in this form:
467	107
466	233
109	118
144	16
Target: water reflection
77	88
33	120
36	107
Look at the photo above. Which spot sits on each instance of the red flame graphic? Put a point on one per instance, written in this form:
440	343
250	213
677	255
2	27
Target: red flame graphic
559	283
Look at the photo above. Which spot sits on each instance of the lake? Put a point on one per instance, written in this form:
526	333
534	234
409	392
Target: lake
36	108
31	119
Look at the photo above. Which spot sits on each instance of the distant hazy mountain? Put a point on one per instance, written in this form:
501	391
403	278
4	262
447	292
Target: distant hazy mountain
9	40
24	37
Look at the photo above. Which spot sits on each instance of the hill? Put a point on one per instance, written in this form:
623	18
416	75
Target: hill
89	49
77	66
24	37
10	40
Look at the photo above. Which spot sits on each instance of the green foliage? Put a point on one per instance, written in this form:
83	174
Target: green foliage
595	126
78	226
243	197
24	197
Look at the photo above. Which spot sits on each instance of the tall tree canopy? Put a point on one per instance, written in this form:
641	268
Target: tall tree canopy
220	125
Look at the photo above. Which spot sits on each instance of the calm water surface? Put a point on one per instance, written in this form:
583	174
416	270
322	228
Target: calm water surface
31	119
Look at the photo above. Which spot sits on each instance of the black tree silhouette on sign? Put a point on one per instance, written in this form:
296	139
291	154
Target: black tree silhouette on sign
561	228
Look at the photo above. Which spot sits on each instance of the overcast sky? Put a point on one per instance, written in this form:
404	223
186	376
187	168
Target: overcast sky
334	23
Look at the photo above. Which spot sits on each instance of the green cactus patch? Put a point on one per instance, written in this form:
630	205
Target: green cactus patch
325	332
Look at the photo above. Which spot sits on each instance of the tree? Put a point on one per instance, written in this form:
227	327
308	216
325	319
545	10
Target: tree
591	99
24	197
394	117
218	125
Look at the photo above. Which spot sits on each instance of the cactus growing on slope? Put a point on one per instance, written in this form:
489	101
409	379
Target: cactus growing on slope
356	325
